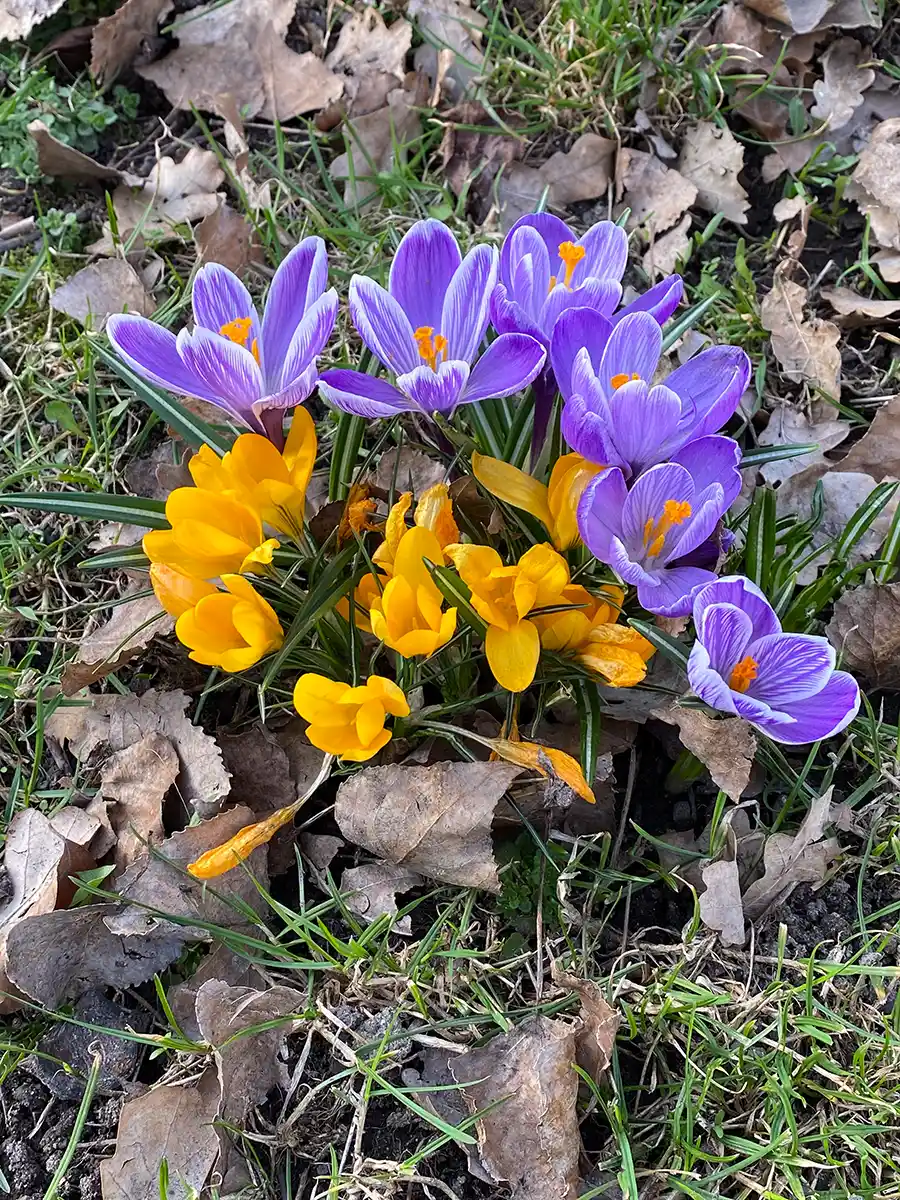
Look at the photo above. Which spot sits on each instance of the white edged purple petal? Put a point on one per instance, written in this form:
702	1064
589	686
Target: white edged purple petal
713	460
745	595
227	369
707	683
647	500
310	338
218	298
296	392
509	316
605	253
423	268
790	667
364	395
672	591
601	295
660	301
552	232
710	386
465	314
600	512
299	281
438	391
509	364
152	352
820	716
706	513
643	422
727	632
587	432
383	325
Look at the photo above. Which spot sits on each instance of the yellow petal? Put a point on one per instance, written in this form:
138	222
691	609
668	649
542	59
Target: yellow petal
232	853
394	529
259	558
391	696
216	510
619	666
300	449
546	761
209	626
570	476
564	630
474	563
369	721
176	591
548	570
414	547
513	486
207	470
362	753
316	698
435	512
513	654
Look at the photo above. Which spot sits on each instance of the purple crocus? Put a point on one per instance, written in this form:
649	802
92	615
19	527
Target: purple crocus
650	534
743	664
428	328
253	369
614	414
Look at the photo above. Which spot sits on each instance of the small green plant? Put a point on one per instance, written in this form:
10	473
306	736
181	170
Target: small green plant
76	113
62	230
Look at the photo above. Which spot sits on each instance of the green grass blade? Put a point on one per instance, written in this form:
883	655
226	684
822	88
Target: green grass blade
759	554
662	641
94	506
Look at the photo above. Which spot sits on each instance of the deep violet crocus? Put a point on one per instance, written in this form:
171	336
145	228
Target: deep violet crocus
254	369
614	415
743	664
650	534
427	328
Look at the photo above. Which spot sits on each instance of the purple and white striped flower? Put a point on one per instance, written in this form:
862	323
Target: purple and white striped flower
428	327
651	534
743	664
252	369
614	414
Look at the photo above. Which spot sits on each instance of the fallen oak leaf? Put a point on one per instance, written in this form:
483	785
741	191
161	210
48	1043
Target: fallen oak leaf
222	964
808	16
840	91
788	426
791	859
454	26
656	194
226	237
584	172
375	143
474	149
95	293
806	348
371	891
875	183
711	159
726	746
134	623
595	1039
865	631
665	253
117	39
371	56
137	780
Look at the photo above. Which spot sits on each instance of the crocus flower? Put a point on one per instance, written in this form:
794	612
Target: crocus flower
255	473
254	369
503	597
428	328
743	664
348	721
645	534
211	534
589	632
613	413
232	629
407	615
555	504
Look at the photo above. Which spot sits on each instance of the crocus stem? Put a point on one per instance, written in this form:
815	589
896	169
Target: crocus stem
543	391
273	423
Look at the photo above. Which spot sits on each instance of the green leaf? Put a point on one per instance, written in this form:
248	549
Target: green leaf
662	641
94	506
865	515
62	414
759	555
344	454
457	595
125	558
587	701
679	328
194	430
763	454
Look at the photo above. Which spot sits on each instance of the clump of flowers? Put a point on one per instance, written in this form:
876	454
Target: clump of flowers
583	496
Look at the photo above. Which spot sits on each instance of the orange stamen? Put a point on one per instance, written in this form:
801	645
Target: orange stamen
431	345
674	513
616	381
743	674
571	256
238	331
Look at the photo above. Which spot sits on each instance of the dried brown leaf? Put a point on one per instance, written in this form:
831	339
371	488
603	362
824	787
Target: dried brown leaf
228	238
840	92
94	293
875	185
805	16
137	780
726	746
582	173
436	820
595	1039
788	426
376	142
119	721
130	629
721	908
235	54
373	892
877	453
60	161
888	263
711	159
222	964
791	859
321	848
657	195
807	349
666	252
530	1138
173	194
119	38
519	190
449	25
171	1123
408	470
371	57
19	17
865	631
472	158
39	858
863	309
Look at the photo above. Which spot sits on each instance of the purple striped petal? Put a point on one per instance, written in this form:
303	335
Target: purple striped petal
673	590
759	713
791	667
587	433
727	632
152	352
707	683
737	590
230	371
820	716
643	421
606	253
712	460
465	315
300	280
383	325
509	316
576	329
600	294
509	364
435	391
527	267
707	510
218	298
659	301
365	395
600	512
310	338
426	260
647	499
634	347
299	389
551	230
710	386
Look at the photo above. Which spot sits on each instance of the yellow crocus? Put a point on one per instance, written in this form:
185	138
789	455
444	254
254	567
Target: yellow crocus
434	512
407	615
177	592
503	597
348	721
211	534
555	504
232	629
589	631
256	474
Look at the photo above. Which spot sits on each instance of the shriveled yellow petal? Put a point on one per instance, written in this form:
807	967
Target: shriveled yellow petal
513	486
619	666
357	515
232	853
513	654
546	761
176	591
435	512
394	529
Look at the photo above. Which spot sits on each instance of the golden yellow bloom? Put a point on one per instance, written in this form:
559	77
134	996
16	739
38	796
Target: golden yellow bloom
231	629
177	592
348	721
590	633
554	504
433	512
503	597
254	473
407	616
212	534
364	596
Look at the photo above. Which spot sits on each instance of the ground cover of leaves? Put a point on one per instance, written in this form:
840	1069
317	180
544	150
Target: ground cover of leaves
392	1007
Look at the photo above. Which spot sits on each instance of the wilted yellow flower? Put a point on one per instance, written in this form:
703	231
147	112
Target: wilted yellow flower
253	472
212	534
503	597
589	631
348	721
407	616
230	854
433	512
546	760
232	629
357	515
554	504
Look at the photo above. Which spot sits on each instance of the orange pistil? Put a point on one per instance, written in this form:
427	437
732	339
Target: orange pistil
743	674
616	381
674	512
431	345
571	256
238	331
